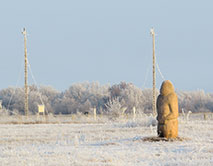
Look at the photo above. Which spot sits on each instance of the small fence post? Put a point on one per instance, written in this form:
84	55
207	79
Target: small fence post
134	113
94	113
205	116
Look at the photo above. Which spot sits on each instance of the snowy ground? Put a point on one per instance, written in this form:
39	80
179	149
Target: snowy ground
105	143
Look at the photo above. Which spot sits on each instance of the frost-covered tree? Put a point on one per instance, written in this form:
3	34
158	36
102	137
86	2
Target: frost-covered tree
196	101
13	99
115	108
132	96
81	97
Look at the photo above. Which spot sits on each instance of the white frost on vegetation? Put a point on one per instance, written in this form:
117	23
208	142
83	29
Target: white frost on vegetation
117	143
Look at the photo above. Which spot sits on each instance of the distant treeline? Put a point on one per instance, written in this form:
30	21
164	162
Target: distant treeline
83	97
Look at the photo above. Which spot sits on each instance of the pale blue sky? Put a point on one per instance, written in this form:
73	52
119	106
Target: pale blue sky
108	41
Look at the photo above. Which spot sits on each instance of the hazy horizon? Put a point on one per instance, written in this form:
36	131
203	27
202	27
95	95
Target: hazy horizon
107	41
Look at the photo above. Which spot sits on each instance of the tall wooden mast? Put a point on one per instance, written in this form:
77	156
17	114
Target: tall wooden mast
154	75
26	106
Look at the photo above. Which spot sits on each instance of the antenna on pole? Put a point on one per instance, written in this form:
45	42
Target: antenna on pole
26	106
154	75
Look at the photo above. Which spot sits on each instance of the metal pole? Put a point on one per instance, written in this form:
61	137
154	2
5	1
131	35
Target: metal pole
26	107
154	75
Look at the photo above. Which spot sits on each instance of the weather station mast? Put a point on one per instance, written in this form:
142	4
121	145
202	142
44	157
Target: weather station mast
26	105
153	74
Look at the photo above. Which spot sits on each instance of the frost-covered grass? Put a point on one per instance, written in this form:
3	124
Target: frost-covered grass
103	142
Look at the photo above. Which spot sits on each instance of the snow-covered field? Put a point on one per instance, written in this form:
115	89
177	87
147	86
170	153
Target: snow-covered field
106	143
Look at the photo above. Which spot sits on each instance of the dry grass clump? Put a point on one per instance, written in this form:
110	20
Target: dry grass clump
158	139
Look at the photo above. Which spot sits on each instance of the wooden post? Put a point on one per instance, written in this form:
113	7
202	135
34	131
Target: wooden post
26	108
94	114
134	113
205	116
0	104
154	75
